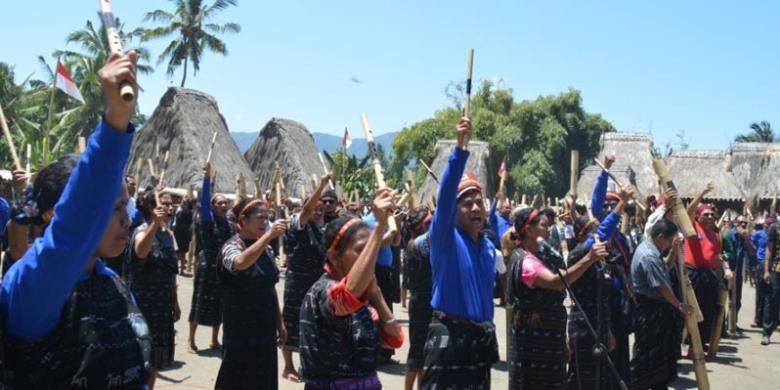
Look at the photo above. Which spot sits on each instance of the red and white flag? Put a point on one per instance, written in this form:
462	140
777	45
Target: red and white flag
502	168
65	83
346	142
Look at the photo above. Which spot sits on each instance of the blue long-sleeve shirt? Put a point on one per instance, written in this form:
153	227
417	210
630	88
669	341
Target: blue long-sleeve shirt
463	270
759	239
37	286
599	195
499	224
205	201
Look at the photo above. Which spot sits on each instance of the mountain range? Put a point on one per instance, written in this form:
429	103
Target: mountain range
329	142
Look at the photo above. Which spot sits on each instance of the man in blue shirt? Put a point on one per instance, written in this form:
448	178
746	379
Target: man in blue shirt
759	240
60	284
742	250
500	220
461	345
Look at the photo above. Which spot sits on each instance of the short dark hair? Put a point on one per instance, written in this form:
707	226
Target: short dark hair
665	228
50	182
520	216
329	194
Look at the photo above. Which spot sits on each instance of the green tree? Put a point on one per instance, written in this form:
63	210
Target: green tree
193	32
535	136
759	132
352	174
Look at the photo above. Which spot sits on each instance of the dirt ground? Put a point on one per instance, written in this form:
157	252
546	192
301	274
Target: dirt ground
742	363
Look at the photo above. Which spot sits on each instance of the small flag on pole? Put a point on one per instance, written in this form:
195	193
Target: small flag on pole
346	142
502	168
65	83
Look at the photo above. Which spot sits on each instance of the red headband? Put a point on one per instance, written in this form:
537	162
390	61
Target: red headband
248	206
342	231
528	220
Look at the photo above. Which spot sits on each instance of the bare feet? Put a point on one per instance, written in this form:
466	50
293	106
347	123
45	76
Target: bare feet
192	348
215	345
291	375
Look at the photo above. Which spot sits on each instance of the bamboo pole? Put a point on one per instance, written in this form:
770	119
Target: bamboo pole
429	170
467	105
574	167
379	175
680	213
115	44
280	207
211	147
618	182
9	140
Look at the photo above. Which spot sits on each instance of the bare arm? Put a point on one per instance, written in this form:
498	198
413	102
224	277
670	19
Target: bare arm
143	242
362	272
551	281
250	255
692	206
311	204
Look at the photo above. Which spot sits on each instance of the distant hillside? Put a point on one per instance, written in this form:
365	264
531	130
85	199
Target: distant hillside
328	142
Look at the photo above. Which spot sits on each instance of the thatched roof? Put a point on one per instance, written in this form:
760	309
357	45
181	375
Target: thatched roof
755	167
633	164
692	169
183	124
292	145
478	163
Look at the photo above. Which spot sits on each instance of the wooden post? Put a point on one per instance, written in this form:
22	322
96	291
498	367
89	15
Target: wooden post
680	213
574	166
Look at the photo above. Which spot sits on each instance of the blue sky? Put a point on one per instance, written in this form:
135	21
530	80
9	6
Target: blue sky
708	68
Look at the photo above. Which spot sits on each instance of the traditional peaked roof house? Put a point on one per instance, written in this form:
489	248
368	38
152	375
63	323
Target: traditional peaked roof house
292	145
755	167
478	163
633	164
183	125
693	169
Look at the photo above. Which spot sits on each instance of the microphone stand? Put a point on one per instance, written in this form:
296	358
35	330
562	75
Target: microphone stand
599	350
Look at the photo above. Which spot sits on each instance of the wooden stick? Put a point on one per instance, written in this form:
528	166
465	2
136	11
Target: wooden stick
27	162
733	304
429	170
151	167
282	255
680	213
82	144
467	104
211	148
164	168
380	177
9	140
303	192
115	44
257	188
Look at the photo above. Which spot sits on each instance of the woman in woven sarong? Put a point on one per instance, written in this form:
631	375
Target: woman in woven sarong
537	357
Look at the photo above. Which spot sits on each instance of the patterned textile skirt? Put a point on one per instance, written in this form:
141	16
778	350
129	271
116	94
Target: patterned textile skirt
155	299
584	368
206	308
458	354
363	383
420	314
658	337
296	284
706	288
249	359
537	355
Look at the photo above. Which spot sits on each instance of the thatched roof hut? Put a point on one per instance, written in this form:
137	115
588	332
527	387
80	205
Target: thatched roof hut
633	164
183	124
693	169
755	167
292	145
478	163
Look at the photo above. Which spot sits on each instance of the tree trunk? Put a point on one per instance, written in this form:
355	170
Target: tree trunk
184	77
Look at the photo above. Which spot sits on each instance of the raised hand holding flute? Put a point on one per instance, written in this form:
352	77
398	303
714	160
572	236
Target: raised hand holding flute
380	177
127	88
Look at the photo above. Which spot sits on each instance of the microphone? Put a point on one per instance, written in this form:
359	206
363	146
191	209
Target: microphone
543	244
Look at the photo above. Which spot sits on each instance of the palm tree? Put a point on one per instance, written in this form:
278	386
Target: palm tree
191	23
760	132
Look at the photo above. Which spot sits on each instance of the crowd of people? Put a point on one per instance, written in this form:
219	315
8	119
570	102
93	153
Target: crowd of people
89	289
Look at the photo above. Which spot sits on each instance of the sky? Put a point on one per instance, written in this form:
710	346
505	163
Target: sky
703	68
